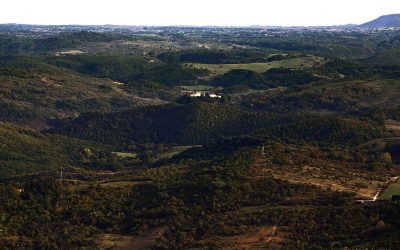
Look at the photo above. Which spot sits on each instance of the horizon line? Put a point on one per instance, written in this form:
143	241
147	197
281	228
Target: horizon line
186	25
202	26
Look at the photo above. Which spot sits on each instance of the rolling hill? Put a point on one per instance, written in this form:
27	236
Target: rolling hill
382	22
24	151
32	92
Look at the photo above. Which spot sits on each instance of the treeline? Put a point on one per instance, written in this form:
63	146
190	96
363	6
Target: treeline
204	122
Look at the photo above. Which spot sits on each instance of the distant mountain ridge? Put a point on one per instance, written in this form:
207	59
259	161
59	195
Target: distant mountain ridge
392	20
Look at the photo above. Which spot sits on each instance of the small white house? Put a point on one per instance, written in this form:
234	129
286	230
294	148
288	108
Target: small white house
212	95
195	94
199	94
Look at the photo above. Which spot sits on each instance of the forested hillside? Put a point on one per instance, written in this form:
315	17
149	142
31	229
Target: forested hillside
25	151
202	123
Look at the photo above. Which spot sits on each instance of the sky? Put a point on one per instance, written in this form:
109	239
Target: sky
198	13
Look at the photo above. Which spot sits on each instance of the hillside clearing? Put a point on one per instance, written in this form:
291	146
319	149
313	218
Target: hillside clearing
128	242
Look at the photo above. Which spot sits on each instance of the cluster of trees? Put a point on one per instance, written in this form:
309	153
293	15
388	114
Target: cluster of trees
48	216
327	227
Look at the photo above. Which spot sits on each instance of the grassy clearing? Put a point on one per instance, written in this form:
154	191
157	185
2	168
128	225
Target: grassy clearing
107	184
119	184
124	154
296	63
175	151
393	189
261	91
197	87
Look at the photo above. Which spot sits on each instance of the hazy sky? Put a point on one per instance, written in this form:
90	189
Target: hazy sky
200	12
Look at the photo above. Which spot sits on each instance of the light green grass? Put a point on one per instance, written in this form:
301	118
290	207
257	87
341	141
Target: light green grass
118	184
295	63
175	151
124	155
198	88
393	189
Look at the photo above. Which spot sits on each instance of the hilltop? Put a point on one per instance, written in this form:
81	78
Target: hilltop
382	22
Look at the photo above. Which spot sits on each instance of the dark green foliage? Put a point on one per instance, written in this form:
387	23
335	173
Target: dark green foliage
67	40
270	79
235	89
129	69
288	78
201	122
216	56
116	67
28	151
169	74
350	69
239	76
11	44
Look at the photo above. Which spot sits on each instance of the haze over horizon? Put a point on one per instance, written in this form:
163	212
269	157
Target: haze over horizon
200	13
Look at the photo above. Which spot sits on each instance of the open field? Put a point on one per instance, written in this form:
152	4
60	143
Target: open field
122	184
264	237
175	151
69	52
393	189
295	63
124	154
197	88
